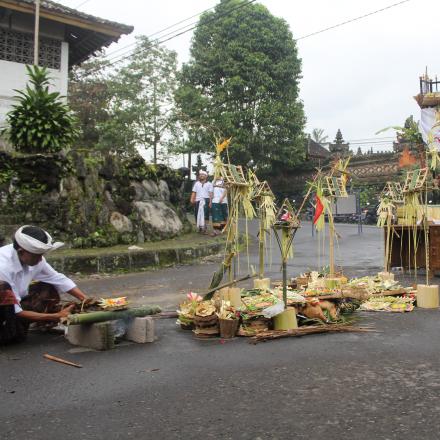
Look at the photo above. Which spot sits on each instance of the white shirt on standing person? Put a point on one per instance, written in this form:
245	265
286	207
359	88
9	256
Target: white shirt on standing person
202	190
219	193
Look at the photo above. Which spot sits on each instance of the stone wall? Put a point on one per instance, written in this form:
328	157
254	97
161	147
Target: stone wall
89	200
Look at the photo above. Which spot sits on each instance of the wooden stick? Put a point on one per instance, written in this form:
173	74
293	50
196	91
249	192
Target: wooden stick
61	361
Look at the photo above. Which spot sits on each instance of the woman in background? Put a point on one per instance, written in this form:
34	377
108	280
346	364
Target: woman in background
219	207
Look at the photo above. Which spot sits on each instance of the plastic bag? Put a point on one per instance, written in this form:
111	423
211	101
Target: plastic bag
271	311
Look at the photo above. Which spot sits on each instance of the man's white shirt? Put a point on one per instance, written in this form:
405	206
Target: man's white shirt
203	191
20	277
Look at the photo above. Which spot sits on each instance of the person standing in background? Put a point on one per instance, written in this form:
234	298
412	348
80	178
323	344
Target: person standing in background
201	198
219	206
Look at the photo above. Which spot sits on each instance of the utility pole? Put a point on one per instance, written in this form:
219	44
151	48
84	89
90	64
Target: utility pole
36	31
154	125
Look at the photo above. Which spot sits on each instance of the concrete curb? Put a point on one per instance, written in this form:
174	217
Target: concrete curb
131	260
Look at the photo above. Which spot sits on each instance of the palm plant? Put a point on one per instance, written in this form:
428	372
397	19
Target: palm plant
40	121
318	135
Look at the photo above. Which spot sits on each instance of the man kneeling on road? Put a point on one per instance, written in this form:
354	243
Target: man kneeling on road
21	303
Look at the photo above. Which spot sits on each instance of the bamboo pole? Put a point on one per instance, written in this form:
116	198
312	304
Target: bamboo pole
331	248
426	230
92	317
209	293
36	32
261	250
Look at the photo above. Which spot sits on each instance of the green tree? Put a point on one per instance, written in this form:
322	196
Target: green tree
318	135
242	81
40	122
89	97
142	106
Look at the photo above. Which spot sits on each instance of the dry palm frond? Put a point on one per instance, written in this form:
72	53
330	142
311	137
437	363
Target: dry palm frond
307	330
267	210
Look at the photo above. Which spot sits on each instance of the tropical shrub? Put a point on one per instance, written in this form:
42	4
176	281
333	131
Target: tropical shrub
40	122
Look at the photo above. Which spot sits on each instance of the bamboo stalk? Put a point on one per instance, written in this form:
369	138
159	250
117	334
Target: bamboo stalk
261	250
331	247
61	361
209	293
92	317
426	231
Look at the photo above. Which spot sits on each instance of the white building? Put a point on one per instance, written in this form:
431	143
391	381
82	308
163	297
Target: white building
66	38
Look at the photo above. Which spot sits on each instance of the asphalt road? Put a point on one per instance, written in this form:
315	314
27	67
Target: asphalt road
383	385
355	254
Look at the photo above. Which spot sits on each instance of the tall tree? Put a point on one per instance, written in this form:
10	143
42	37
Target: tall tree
143	97
89	97
242	81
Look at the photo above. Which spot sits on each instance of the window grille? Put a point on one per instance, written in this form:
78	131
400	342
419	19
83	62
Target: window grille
19	47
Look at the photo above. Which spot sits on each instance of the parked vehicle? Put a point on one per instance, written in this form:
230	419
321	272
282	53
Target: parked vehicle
369	215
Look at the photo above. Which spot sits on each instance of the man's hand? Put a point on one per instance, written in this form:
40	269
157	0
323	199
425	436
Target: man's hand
78	294
65	312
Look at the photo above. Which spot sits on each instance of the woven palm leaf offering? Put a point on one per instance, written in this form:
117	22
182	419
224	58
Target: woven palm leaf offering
264	200
240	204
414	211
391	199
187	310
120	303
229	320
252	314
285	227
393	191
399	304
327	188
205	320
385	215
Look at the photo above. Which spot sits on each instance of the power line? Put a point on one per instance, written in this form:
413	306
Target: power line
372	143
163	30
372	139
352	20
158	41
240	6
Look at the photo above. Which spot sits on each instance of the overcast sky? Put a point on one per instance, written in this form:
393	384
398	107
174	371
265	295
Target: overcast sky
360	77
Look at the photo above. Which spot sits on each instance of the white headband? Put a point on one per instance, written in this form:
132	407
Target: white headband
203	172
33	245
